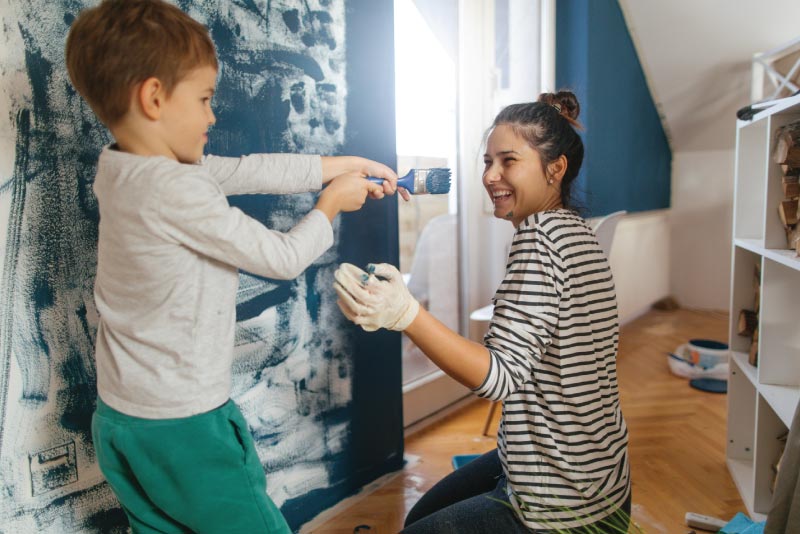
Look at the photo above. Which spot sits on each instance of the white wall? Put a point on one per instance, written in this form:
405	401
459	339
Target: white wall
701	221
640	259
685	251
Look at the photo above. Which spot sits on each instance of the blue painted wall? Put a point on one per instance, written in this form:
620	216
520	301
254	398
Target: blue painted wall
628	162
373	236
322	398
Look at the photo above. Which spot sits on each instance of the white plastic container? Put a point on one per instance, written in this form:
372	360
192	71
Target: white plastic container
700	358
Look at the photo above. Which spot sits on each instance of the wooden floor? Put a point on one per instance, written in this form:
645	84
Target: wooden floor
677	440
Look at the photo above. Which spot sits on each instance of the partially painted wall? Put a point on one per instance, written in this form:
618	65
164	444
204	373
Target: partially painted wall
295	76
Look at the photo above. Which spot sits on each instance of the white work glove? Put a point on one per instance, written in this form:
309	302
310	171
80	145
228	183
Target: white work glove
378	299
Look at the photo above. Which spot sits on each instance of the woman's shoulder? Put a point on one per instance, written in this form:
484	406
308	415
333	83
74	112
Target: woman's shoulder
555	224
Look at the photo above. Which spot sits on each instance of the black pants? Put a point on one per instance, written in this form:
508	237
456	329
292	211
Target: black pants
473	500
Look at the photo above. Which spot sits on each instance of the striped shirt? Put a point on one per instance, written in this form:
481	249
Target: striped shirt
553	345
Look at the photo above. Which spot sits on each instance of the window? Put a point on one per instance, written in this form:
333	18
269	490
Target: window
457	62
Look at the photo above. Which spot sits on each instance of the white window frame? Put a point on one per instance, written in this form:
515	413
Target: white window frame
482	240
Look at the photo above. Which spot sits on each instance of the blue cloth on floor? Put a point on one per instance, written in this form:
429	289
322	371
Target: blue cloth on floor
741	524
462	459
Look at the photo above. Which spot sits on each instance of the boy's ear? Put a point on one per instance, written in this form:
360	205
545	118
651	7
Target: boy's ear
151	97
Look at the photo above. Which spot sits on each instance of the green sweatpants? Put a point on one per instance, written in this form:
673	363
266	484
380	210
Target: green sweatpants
195	474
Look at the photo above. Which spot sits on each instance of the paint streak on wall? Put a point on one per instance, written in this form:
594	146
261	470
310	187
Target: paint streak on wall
281	88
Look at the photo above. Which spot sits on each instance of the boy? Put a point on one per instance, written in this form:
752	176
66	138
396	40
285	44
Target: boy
173	446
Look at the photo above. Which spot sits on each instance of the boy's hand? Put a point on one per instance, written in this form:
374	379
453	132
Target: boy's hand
347	192
379	170
333	166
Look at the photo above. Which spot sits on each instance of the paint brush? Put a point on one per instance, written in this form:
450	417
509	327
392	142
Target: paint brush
434	181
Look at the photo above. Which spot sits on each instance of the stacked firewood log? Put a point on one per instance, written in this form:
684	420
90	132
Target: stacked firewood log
787	155
748	319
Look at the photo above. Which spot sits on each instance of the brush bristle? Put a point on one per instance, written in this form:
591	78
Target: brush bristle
437	181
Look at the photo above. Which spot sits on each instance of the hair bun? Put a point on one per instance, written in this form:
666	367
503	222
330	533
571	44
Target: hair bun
565	102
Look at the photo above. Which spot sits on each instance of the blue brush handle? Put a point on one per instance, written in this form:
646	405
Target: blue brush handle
406	182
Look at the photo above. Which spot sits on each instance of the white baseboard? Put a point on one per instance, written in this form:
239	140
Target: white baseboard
429	395
441	414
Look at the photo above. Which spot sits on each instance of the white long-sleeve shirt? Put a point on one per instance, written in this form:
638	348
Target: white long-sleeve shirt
553	344
169	250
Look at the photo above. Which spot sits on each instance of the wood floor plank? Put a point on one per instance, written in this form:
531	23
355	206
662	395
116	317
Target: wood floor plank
677	439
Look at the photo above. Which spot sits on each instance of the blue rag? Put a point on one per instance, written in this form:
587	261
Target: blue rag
741	524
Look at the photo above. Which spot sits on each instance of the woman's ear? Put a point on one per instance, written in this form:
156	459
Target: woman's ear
557	168
151	96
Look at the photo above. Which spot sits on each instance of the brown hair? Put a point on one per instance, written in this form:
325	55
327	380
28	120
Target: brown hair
549	126
118	44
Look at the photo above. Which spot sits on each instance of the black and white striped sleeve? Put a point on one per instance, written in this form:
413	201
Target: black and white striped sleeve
525	315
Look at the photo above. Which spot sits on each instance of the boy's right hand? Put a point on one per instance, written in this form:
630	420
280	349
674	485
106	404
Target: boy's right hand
347	192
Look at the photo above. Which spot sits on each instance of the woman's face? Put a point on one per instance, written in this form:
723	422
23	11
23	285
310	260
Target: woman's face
514	179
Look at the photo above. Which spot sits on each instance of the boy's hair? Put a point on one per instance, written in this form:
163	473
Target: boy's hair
118	44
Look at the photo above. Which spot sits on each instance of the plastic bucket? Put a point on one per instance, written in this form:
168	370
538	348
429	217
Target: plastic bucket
706	352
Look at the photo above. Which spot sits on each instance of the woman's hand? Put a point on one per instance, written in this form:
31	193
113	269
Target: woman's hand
375	299
379	299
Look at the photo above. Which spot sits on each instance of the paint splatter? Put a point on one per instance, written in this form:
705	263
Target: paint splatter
282	88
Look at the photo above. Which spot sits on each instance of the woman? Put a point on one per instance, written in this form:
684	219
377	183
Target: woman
561	464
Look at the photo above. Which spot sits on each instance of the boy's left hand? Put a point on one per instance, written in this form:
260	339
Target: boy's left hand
333	166
379	170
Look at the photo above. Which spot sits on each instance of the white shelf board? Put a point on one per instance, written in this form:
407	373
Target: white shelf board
753	245
785	257
741	359
782	399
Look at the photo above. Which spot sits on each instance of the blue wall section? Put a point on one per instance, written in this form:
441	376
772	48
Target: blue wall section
628	161
371	235
322	398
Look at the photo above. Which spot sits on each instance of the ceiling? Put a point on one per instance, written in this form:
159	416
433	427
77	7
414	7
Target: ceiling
697	57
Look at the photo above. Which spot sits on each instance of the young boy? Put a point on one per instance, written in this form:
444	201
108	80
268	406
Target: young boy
173	446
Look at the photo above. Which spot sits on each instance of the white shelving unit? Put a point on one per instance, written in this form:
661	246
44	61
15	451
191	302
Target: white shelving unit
762	399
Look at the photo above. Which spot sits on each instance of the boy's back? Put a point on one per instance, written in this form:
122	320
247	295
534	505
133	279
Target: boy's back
166	280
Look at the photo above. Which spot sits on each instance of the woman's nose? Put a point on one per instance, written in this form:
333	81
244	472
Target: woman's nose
491	175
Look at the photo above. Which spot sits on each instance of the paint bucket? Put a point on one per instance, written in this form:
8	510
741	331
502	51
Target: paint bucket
707	353
700	358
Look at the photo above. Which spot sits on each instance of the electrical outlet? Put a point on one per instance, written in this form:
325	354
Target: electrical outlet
53	468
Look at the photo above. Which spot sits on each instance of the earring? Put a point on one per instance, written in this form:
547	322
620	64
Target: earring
550	181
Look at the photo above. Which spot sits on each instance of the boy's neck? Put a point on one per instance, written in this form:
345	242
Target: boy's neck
136	137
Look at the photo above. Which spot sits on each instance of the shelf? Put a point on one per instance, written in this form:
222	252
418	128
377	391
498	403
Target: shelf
765	278
785	257
753	245
782	399
749	371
